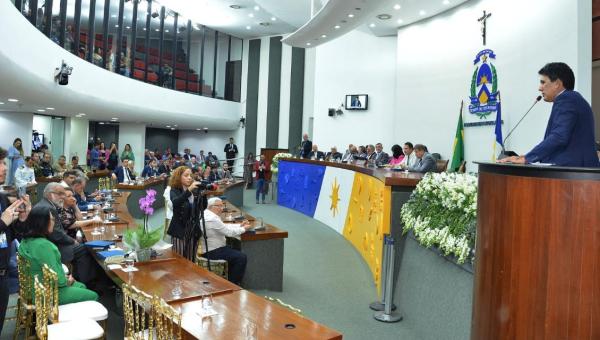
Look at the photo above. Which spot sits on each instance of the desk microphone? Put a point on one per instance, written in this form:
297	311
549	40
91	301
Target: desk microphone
504	154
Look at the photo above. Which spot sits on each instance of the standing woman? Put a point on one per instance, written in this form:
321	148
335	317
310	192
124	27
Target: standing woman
248	168
127	153
102	156
15	155
113	157
184	227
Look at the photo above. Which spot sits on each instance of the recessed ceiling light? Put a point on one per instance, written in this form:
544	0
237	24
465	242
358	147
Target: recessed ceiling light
384	16
397	6
350	15
167	31
256	8
41	110
117	26
273	19
323	36
101	123
399	21
307	44
235	6
127	27
446	2
81	114
251	15
13	100
248	27
113	16
1	103
157	30
175	125
168	126
198	129
337	27
422	12
172	128
144	28
49	108
114	118
371	25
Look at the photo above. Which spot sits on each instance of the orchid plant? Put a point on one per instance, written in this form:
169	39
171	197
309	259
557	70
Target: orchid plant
142	237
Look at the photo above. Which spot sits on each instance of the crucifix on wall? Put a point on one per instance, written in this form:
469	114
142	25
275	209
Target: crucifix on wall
483	21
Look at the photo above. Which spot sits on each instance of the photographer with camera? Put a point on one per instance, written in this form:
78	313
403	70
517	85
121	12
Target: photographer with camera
184	227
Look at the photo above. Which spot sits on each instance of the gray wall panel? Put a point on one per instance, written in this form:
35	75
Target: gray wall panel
252	94
296	98
273	93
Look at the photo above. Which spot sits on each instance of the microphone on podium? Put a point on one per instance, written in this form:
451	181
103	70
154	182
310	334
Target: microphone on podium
505	153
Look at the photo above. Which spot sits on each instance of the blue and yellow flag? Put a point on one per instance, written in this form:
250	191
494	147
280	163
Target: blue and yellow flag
498	130
458	150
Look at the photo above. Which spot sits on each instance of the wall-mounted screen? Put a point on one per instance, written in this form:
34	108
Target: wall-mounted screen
357	101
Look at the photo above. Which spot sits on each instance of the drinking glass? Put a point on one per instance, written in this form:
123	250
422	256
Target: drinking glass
250	330
176	291
207	301
129	263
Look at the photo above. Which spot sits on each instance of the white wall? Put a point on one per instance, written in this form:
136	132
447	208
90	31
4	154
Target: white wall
16	125
284	97
308	104
76	138
134	135
43	124
213	141
356	63
263	90
435	68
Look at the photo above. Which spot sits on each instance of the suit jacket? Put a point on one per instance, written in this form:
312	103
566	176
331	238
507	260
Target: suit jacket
149	171
569	139
121	176
318	155
382	158
426	164
305	149
181	225
331	157
230	150
58	236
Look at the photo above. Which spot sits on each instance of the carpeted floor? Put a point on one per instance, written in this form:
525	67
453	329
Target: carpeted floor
323	276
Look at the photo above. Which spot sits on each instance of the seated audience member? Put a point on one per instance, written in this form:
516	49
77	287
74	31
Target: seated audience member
351	155
25	174
333	155
70	250
75	164
83	199
410	159
46	166
150	170
194	164
70	216
37	169
131	167
146	157
187	154
122	174
201	157
216	231
165	167
381	157
213	175
397	155
212	160
371	153
38	250
224	172
315	153
362	152
61	165
425	162
69	176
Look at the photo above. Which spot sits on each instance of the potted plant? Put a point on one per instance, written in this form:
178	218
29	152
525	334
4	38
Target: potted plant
141	239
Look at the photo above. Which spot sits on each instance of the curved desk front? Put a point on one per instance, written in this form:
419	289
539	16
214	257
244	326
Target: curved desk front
360	203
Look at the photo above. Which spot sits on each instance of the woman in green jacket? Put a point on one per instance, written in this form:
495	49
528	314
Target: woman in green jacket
127	153
38	250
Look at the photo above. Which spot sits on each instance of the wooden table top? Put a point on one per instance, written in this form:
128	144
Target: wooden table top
388	176
52	179
269	232
98	173
241	308
145	185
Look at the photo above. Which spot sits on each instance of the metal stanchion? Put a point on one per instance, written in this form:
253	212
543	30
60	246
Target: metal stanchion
380	305
387	315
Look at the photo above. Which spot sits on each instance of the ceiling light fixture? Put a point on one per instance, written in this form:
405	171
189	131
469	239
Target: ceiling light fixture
446	2
198	129
113	16
157	30
323	36
371	25
337	27
144	28
307	44
384	16
397	6
167	31
350	15
117	26
13	100
400	21
251	15
128	27
1	103
49	108
256	8
248	27
41	110
422	12
81	114
168	126
172	128
114	118
101	123
273	19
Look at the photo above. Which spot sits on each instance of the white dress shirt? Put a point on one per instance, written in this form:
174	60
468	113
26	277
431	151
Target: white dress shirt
168	203
410	160
23	176
216	230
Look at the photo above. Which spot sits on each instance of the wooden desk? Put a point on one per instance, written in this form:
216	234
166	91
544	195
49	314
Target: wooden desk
234	192
238	309
139	190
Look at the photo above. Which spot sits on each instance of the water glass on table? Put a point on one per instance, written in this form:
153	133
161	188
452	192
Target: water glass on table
176	291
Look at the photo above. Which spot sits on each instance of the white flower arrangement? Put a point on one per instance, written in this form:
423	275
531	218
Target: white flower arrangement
442	212
275	161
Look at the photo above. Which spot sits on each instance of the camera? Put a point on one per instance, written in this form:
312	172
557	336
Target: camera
61	75
204	185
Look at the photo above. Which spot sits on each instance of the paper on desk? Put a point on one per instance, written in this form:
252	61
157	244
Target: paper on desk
206	312
114	266
129	269
542	164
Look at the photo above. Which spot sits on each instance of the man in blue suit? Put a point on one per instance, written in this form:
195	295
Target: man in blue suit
569	139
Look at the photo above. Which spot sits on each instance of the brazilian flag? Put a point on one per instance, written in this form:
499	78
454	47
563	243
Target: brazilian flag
458	152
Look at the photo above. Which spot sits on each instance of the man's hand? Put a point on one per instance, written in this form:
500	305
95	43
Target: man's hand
513	160
246	225
10	214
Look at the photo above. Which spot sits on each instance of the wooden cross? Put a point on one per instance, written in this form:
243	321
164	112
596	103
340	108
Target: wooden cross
483	20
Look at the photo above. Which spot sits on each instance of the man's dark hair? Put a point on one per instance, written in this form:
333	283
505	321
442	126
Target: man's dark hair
71	173
420	147
27	159
74	158
37	221
409	144
560	71
3	153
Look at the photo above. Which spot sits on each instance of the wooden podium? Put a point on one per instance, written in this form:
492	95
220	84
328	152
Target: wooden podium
537	270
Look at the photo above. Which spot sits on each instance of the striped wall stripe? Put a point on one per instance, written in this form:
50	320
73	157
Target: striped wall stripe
252	95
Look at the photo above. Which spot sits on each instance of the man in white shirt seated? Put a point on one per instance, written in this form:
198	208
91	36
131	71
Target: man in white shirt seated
24	175
410	159
216	231
69	176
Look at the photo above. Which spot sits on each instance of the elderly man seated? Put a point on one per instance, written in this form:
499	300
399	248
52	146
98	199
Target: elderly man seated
425	161
216	231
315	153
333	155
